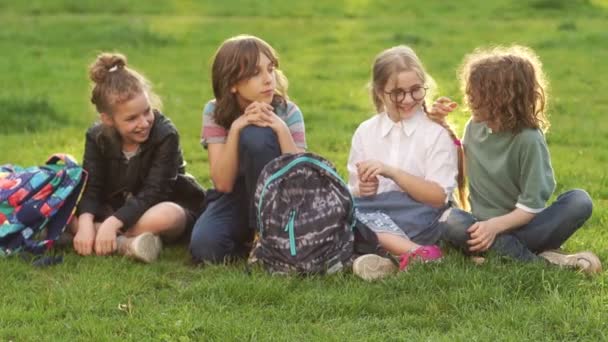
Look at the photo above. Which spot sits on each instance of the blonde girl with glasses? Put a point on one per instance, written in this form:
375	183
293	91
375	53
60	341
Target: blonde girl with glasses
403	167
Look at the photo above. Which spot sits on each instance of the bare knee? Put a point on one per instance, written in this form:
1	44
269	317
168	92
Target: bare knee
165	218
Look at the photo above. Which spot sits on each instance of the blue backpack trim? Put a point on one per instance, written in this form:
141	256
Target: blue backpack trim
289	227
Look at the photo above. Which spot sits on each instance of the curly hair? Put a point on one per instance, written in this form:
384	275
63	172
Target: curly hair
507	87
236	60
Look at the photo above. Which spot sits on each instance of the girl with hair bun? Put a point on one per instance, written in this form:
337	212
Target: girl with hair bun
138	191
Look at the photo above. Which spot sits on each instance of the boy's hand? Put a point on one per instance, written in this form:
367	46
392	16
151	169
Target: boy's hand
483	234
441	108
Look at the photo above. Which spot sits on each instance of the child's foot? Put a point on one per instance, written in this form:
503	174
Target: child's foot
584	261
371	267
422	253
145	247
66	239
63	241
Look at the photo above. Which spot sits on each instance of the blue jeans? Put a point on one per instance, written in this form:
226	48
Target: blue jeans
226	228
395	212
549	229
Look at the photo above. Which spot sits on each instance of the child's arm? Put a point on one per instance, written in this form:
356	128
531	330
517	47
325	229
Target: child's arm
355	156
421	190
418	188
284	136
291	132
483	233
158	184
224	162
93	162
85	236
224	157
441	108
440	170
105	239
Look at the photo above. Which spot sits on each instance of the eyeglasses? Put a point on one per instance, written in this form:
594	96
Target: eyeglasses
397	95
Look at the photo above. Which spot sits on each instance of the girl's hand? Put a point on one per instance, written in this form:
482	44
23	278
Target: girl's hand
483	234
275	122
105	242
441	108
255	114
257	108
84	238
370	169
368	188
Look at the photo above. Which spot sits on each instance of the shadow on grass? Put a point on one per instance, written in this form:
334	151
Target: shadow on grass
28	115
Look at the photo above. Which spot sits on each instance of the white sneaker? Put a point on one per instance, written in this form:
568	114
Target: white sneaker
371	267
584	261
145	247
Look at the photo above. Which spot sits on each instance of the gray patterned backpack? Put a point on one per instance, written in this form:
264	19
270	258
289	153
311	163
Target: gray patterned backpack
304	216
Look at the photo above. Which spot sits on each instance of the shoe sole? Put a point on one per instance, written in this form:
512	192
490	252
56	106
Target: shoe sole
586	261
146	247
372	267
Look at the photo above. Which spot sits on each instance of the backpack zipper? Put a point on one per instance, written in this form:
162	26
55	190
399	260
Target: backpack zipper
289	227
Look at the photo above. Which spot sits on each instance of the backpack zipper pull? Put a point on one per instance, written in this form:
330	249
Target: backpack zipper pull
289	227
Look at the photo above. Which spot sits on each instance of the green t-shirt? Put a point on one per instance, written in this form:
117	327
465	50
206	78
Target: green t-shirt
506	171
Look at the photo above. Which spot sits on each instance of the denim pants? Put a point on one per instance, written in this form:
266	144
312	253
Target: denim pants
226	228
549	229
395	212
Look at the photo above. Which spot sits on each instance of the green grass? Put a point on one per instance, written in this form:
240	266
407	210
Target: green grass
326	50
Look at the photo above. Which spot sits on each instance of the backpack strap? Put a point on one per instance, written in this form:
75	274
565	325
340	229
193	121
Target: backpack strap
67	160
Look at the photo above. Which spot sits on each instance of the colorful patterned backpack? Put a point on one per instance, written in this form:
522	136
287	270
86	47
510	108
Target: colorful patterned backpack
36	198
305	216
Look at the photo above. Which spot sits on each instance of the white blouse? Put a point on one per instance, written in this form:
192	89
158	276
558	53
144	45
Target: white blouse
416	145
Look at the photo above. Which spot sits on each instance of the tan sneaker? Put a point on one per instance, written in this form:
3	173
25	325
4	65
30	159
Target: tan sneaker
584	261
371	267
145	247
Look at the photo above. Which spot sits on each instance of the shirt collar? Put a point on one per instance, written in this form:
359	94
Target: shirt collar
408	126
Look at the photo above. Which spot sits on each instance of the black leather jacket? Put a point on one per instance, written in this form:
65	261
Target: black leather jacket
130	187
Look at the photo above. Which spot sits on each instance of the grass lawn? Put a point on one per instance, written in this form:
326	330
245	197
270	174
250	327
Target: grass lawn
326	51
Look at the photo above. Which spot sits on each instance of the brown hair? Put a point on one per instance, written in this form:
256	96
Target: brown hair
507	87
399	59
115	83
237	60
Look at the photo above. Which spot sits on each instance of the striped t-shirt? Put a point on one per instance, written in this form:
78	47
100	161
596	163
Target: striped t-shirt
212	133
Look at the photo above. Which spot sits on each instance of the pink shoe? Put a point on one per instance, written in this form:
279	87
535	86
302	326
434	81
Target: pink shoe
423	253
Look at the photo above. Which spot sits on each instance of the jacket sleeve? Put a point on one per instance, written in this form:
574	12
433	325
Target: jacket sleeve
93	164
158	184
